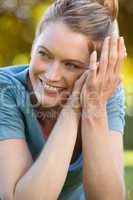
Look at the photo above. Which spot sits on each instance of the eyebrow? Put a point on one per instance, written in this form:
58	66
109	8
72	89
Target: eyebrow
68	60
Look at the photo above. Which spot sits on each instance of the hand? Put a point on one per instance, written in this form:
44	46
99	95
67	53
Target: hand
104	77
74	99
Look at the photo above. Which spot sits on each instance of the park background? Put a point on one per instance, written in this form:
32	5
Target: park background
18	19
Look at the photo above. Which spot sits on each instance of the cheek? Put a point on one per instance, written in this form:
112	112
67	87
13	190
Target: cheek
71	79
37	66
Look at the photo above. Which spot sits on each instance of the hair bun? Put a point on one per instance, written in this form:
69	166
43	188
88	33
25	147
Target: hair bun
112	6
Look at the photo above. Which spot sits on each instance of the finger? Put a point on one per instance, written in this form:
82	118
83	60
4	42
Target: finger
80	82
75	97
121	55
113	52
104	57
92	67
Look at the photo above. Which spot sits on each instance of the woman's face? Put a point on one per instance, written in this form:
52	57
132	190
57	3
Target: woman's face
59	57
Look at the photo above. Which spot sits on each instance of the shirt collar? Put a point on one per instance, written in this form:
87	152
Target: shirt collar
22	76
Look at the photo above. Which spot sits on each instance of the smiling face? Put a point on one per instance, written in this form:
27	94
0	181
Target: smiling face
59	57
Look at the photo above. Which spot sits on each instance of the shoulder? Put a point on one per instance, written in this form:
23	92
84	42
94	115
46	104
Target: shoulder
11	73
13	78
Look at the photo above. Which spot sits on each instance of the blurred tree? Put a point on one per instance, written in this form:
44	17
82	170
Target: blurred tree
18	19
128	137
125	22
17	24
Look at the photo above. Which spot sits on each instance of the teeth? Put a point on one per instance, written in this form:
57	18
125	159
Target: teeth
50	87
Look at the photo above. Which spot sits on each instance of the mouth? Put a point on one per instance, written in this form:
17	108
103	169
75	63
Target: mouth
52	89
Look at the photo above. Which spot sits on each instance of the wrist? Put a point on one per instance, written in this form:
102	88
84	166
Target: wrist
70	112
93	111
95	121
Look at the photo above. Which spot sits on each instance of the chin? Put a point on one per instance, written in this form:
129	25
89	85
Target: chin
49	105
51	102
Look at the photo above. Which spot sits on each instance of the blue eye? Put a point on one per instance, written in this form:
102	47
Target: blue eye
72	66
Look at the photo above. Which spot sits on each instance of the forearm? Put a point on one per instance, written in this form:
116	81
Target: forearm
46	177
100	174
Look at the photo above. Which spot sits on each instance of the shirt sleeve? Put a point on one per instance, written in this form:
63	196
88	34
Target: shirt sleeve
116	110
11	119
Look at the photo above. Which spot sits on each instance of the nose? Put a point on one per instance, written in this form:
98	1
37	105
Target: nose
53	72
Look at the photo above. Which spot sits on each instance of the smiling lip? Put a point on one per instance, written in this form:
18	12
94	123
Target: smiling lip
49	92
59	89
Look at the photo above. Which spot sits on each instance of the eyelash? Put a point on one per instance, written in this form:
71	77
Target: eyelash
42	53
75	66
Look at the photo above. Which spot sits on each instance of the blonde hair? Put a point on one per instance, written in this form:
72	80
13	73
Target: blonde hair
93	18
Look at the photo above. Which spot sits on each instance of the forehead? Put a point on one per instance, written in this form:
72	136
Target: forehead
58	38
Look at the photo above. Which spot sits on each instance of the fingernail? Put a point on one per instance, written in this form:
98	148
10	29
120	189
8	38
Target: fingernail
122	39
125	54
94	53
108	37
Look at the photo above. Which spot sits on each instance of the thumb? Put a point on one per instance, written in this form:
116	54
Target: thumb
74	99
80	82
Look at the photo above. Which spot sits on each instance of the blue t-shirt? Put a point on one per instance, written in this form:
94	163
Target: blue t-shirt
18	120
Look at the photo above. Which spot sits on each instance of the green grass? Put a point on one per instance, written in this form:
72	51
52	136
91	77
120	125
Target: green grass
128	163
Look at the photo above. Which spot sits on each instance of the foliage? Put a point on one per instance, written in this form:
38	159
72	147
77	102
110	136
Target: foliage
128	137
128	163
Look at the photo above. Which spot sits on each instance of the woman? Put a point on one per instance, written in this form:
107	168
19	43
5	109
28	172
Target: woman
62	116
